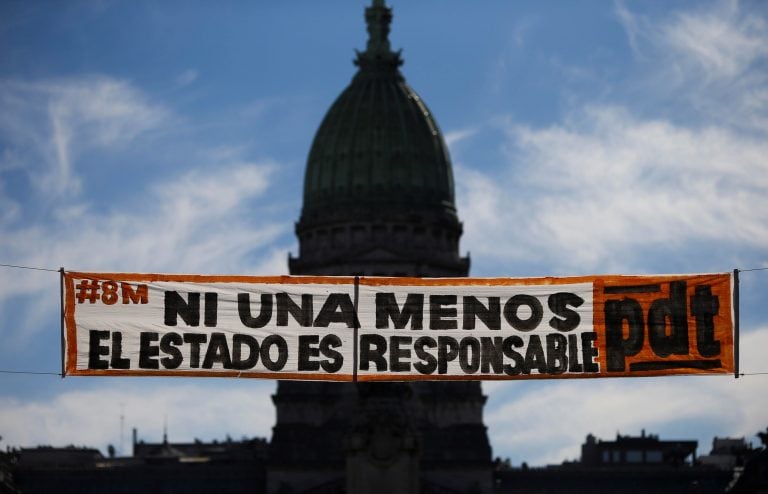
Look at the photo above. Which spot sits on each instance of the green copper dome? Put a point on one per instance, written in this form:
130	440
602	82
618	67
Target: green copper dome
379	145
378	190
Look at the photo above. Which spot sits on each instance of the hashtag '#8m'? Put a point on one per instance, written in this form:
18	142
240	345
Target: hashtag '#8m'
111	292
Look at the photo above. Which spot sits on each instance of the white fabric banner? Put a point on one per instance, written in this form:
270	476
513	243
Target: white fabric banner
347	329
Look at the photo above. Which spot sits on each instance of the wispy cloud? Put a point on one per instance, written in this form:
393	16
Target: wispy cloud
210	217
721	42
454	137
46	125
609	182
631	26
713	58
204	221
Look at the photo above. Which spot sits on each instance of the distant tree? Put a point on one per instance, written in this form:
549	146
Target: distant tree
111	451
764	437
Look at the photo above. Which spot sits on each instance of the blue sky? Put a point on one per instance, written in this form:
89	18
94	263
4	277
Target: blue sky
587	137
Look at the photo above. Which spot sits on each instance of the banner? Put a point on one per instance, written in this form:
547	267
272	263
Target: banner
372	328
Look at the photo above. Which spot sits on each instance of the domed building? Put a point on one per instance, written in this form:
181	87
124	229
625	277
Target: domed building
379	201
378	189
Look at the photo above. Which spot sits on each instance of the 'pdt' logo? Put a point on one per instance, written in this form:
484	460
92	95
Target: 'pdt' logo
651	327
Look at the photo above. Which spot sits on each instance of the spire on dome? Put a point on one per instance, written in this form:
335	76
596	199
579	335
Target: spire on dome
378	53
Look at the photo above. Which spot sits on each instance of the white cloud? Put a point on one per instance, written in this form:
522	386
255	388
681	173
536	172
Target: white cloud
610	185
206	218
605	185
454	137
103	111
548	423
712	58
204	221
46	125
717	40
91	417
722	42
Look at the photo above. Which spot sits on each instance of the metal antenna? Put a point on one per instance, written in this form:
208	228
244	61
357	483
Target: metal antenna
122	426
